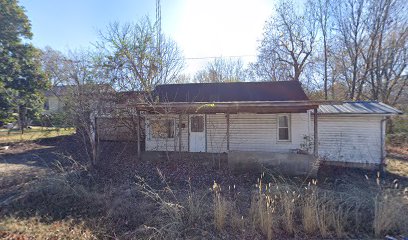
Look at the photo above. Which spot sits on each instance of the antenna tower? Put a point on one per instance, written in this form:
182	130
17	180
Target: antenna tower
158	22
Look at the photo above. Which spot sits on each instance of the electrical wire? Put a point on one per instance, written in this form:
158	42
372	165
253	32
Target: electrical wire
235	56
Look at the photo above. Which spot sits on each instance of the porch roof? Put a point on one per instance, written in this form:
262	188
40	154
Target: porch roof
230	107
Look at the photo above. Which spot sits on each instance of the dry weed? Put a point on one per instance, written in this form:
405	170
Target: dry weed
390	214
34	228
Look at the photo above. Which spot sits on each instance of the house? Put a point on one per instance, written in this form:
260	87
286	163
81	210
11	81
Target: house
54	99
57	96
264	121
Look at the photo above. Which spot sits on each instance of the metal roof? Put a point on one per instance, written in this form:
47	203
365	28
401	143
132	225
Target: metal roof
360	107
231	92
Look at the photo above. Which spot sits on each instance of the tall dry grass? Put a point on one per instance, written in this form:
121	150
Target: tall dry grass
276	208
282	209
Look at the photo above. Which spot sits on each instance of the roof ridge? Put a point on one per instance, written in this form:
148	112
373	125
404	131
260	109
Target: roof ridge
237	82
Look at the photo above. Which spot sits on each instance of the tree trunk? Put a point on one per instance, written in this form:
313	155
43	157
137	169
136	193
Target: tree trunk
325	70
21	117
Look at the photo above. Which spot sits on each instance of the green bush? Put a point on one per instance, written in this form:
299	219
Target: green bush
58	119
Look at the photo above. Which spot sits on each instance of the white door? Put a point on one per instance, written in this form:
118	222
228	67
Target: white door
197	133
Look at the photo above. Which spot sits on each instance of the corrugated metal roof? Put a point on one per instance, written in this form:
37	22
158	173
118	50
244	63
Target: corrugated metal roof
360	107
231	92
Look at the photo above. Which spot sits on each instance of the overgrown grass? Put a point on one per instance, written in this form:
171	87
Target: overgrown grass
83	202
397	166
280	208
35	133
37	228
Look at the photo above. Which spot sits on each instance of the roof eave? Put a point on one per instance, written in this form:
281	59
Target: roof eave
228	107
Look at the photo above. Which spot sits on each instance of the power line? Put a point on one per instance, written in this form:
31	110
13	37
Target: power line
214	57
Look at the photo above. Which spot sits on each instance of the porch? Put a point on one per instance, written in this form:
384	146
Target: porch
283	127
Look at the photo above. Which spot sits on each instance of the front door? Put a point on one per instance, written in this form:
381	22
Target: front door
197	133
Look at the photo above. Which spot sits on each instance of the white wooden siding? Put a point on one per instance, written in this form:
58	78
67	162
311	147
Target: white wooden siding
248	132
258	132
216	133
341	138
354	139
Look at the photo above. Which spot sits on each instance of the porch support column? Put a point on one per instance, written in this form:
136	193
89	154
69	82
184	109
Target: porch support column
179	133
138	135
228	131
188	132
206	132
315	134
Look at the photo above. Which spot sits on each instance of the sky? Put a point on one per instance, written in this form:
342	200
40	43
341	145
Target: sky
201	28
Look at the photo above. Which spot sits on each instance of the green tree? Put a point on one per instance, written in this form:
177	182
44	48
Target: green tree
21	78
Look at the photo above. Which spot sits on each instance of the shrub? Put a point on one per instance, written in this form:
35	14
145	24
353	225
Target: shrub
57	119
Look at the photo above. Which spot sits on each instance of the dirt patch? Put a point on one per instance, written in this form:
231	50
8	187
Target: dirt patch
119	162
24	163
400	152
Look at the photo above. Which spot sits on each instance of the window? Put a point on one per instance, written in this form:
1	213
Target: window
283	127
197	124
163	128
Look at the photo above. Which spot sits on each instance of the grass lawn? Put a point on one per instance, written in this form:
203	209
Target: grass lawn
35	133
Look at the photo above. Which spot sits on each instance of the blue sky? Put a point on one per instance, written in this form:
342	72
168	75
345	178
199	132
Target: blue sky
201	28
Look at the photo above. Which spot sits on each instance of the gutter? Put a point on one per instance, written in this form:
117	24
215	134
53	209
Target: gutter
382	130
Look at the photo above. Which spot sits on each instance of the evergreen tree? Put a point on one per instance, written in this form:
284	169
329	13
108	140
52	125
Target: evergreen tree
21	79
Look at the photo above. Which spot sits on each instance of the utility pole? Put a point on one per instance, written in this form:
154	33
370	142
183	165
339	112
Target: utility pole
158	23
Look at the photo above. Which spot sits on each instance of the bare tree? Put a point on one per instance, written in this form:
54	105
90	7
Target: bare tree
86	95
386	54
137	56
183	78
351	16
371	48
288	42
321	8
222	70
55	65
266	68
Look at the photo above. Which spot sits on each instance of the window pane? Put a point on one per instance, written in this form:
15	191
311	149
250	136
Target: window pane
197	124
283	133
162	128
283	121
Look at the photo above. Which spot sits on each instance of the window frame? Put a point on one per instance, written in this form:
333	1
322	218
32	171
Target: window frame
289	127
161	119
201	127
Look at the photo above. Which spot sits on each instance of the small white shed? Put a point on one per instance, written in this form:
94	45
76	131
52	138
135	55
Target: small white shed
353	132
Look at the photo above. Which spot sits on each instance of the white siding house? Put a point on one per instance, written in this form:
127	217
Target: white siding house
265	118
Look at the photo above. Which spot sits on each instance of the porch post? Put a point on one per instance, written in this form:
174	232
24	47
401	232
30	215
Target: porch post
179	132
188	132
205	124
138	135
315	134
228	131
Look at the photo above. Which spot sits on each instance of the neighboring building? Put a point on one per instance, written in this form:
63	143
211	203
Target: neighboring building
54	99
57	96
250	120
